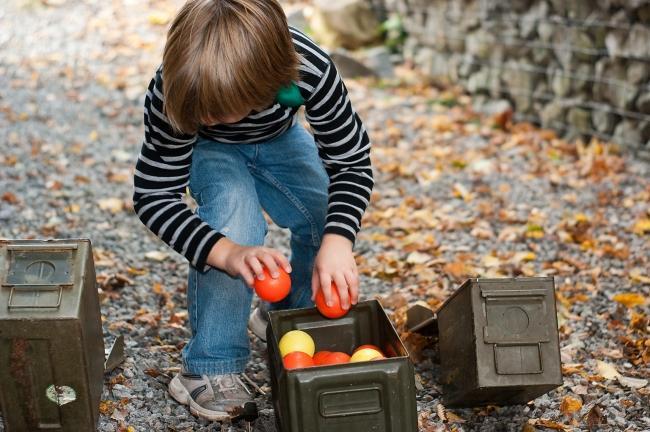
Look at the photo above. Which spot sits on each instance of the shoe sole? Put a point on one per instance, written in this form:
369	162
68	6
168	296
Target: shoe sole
178	391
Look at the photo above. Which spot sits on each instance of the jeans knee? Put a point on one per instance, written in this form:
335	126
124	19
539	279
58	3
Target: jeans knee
237	217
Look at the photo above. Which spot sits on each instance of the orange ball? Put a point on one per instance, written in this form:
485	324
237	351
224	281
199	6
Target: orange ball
273	290
297	360
320	357
373	347
335	311
336	358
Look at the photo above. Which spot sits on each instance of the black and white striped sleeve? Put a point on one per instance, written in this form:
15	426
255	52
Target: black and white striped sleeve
344	148
161	176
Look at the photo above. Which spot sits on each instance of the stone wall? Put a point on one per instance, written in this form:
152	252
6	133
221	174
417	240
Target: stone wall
580	66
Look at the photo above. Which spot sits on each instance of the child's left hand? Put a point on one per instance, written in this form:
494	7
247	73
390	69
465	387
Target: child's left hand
335	263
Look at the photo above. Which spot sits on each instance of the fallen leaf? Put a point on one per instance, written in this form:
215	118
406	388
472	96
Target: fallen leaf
156	255
635	383
113	205
550	424
642	226
637	275
440	410
630	299
418	258
570	405
607	370
534	231
106	407
158	18
594	418
461	191
523	256
10	197
453	418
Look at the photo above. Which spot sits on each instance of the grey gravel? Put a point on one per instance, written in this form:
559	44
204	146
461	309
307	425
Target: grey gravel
72	79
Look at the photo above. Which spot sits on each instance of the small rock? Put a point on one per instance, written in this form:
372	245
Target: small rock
350	67
378	59
604	121
627	134
643	103
345	23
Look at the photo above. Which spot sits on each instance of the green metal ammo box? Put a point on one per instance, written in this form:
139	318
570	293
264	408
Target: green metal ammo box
375	396
51	345
498	342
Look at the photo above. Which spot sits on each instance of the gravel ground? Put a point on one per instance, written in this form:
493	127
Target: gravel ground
455	197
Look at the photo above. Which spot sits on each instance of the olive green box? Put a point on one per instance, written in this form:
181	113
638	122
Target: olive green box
375	396
498	341
51	345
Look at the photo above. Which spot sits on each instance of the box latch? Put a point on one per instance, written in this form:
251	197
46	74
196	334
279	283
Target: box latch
38	274
516	326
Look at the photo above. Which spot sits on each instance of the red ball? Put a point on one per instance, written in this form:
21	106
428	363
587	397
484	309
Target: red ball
336	311
320	357
273	290
297	360
336	358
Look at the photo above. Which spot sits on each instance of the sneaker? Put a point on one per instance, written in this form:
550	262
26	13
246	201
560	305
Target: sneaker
219	398
258	322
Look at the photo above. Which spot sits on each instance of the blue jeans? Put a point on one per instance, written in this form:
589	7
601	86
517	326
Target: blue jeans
232	183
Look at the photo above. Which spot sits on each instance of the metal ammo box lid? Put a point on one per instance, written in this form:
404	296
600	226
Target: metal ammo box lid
51	346
375	396
498	342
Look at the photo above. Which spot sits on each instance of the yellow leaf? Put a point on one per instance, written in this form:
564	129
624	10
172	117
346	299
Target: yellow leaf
534	231
158	18
570	405
461	191
524	256
92	136
636	274
581	217
630	299
642	226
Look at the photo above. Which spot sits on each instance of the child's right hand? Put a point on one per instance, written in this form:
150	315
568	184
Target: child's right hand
247	261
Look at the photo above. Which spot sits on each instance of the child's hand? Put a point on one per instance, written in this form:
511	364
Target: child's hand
246	261
335	263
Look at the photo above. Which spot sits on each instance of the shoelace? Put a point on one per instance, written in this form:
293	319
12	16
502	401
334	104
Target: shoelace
231	382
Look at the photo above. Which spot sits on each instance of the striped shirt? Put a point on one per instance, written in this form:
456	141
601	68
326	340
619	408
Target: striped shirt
163	167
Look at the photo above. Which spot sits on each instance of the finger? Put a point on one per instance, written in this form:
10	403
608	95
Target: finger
326	286
246	273
342	286
315	284
255	265
281	260
270	264
353	286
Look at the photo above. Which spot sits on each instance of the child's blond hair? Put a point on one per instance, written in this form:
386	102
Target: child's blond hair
223	58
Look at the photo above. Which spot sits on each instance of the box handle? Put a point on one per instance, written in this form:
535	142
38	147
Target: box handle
42	247
39	287
345	403
512	293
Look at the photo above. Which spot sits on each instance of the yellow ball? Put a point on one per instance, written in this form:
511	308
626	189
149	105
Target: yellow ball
366	354
296	340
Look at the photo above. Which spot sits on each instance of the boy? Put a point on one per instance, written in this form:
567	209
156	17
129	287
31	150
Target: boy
220	117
